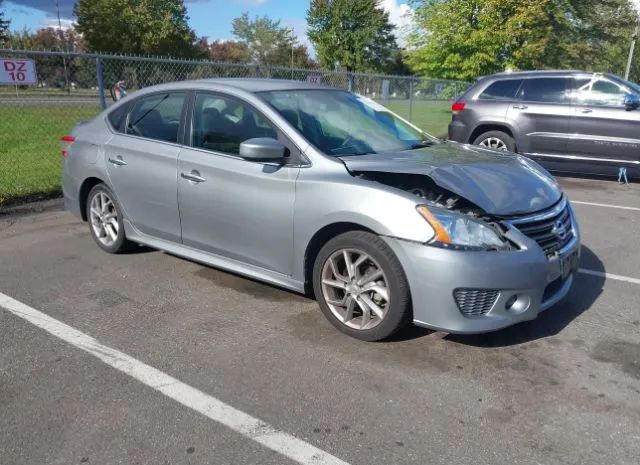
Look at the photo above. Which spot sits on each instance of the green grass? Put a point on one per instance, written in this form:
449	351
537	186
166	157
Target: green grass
432	117
30	161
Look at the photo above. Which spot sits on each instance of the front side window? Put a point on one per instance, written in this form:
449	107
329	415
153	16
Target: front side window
156	117
601	92
501	90
341	123
545	90
221	124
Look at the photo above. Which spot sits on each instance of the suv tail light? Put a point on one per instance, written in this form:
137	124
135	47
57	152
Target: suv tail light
457	107
65	143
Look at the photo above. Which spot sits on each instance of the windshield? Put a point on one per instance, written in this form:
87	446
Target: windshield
341	123
632	85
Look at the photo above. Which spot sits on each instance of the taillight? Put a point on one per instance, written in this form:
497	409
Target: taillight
65	143
457	107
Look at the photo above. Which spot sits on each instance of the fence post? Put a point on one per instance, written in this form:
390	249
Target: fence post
99	79
411	99
350	78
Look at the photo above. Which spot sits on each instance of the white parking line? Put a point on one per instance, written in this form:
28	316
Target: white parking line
248	426
622	207
609	276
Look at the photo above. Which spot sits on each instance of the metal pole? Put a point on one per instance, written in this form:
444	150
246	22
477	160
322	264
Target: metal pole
410	99
64	60
292	61
634	39
100	81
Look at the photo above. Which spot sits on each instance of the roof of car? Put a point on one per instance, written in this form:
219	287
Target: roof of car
245	84
556	72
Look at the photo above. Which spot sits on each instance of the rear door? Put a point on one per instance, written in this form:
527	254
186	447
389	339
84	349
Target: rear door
142	164
602	128
542	113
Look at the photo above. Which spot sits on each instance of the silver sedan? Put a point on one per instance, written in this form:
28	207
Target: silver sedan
323	191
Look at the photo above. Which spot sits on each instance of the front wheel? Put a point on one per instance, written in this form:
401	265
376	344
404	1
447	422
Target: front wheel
361	287
496	140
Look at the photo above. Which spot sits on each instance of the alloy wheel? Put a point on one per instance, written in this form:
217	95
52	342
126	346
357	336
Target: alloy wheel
493	143
355	288
104	218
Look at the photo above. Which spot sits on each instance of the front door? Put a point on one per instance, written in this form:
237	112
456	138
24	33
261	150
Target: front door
602	127
142	164
229	206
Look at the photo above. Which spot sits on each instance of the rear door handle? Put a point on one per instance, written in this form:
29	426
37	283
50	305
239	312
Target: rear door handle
193	176
586	110
520	107
118	161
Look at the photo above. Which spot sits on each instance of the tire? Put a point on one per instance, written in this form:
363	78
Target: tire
348	295
107	230
501	140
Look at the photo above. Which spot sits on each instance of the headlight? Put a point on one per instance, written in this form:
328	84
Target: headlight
461	232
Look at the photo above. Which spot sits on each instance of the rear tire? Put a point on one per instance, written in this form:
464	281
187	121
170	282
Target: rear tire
496	140
361	287
106	221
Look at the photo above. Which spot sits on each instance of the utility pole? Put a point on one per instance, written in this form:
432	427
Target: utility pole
62	43
634	39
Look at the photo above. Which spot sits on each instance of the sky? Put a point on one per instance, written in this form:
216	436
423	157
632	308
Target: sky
210	18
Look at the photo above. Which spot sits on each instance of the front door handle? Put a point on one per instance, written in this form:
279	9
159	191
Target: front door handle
193	176
520	107
586	110
118	161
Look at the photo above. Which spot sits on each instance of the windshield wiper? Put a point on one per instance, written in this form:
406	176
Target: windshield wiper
422	144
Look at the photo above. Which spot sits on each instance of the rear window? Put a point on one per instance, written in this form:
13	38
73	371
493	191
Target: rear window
501	90
545	90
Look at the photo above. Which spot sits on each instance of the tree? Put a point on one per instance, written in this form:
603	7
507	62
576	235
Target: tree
4	27
355	35
462	39
229	51
266	40
154	27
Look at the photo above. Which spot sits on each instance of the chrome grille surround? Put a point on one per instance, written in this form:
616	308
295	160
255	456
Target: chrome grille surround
551	229
475	302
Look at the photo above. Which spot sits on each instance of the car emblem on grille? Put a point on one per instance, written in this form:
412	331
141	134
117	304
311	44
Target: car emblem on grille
560	230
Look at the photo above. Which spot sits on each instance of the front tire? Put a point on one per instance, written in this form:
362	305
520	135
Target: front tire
361	287
496	140
105	220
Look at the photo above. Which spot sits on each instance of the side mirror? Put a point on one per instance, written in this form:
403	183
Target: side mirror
631	102
263	149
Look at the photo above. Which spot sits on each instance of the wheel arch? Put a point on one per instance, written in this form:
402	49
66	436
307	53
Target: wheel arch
319	239
490	126
83	194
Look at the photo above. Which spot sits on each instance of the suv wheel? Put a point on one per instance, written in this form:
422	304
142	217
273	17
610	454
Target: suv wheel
496	140
361	287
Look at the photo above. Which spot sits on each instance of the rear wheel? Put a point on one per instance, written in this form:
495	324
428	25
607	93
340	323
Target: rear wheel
496	140
361	287
105	220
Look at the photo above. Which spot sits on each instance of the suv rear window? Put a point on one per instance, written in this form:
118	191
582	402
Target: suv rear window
546	90
501	90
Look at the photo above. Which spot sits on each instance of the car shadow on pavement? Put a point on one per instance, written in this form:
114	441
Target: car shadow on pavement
584	292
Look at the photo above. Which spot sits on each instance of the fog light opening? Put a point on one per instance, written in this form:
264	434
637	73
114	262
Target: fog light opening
511	302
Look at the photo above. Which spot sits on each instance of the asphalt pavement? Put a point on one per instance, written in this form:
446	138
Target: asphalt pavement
563	389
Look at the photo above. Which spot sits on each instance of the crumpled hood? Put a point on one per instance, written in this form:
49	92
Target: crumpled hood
501	184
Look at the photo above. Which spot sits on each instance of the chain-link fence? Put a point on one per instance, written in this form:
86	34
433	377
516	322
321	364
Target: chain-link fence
73	87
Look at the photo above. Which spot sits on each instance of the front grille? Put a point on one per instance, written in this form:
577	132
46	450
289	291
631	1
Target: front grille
475	302
551	230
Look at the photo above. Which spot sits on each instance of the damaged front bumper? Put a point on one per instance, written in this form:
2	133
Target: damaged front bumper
476	292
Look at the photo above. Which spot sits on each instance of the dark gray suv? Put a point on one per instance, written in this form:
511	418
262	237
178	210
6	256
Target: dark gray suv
571	121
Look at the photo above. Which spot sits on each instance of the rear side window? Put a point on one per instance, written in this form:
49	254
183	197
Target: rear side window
501	90
545	90
156	117
117	116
